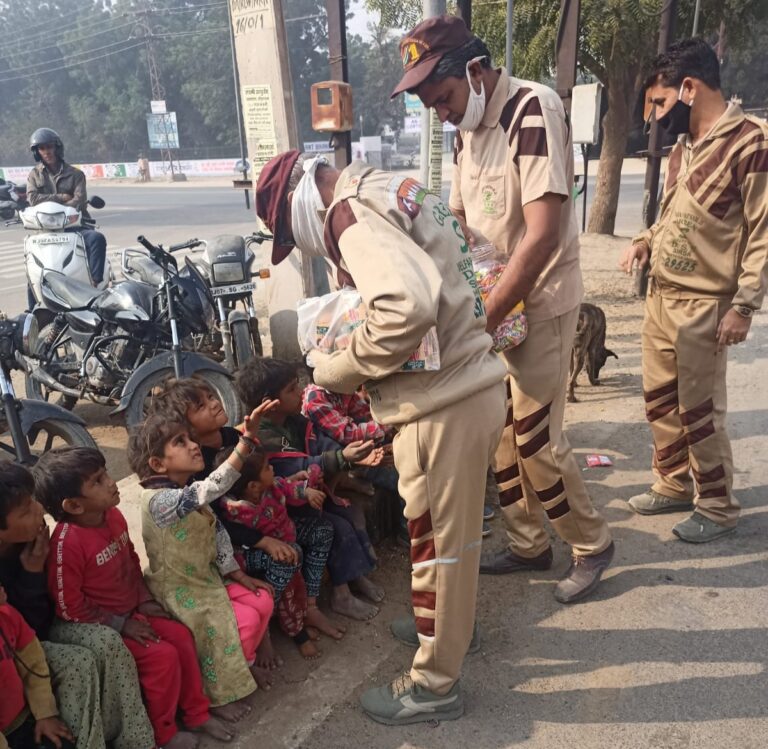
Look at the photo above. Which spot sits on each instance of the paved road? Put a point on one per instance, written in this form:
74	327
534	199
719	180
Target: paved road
170	214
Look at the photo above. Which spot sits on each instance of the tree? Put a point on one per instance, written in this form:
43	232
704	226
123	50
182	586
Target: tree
617	40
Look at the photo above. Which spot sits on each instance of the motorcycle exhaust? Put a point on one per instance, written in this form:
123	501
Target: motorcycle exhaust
38	373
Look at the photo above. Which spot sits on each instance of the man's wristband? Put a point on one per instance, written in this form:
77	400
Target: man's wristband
743	310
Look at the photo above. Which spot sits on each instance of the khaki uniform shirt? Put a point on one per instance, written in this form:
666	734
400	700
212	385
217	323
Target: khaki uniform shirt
411	265
712	237
42	185
521	151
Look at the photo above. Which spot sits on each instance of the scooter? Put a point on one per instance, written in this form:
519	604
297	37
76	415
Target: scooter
13	198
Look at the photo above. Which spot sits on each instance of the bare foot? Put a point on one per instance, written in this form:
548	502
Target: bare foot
266	657
309	651
368	589
313	632
182	740
233	712
216	728
354	608
316	619
263	677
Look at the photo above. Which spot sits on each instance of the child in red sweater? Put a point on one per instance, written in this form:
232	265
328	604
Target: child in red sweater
96	578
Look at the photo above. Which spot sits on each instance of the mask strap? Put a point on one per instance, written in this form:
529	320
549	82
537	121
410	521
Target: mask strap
469	76
680	96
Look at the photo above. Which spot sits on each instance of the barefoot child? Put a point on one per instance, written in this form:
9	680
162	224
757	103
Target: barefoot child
89	664
28	713
190	554
290	557
293	446
95	578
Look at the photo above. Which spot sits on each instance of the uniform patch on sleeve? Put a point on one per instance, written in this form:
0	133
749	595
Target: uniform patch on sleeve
408	196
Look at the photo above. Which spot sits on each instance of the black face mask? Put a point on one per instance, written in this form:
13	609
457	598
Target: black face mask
678	120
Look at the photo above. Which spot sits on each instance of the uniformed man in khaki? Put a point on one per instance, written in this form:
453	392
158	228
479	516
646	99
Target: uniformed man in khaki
709	267
405	252
512	181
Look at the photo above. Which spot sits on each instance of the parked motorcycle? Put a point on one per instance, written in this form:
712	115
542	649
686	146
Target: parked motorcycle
13	198
226	262
115	346
48	246
29	426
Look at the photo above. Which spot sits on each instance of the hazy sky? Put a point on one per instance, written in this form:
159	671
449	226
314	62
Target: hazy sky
358	24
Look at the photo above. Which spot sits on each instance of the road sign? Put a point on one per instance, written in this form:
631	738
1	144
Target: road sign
412	124
162	131
412	104
158	106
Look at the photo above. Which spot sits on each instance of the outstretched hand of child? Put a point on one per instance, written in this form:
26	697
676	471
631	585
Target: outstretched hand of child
315	498
374	458
278	550
153	608
252	421
141	631
354	452
54	729
300	476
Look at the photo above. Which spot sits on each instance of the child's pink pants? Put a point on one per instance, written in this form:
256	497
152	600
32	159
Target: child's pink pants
252	612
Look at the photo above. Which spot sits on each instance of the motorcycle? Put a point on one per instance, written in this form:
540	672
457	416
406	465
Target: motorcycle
115	346
226	263
13	198
27	421
48	247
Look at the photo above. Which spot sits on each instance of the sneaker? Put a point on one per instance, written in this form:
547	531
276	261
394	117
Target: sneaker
698	529
505	561
653	503
583	576
488	512
486	530
403	702
404	630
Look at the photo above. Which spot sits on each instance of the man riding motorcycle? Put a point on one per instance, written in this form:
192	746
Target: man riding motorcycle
52	179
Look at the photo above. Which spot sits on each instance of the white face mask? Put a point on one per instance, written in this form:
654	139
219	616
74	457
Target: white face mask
475	104
308	211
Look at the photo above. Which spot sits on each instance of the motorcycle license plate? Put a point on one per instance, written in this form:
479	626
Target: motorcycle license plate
235	288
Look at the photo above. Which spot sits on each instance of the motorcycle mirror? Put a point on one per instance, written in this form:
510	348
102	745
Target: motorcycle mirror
96	202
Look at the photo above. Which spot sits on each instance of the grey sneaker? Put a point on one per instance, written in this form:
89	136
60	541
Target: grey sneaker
583	575
404	630
698	529
403	702
653	503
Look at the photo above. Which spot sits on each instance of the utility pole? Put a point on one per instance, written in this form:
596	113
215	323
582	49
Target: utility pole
653	167
238	107
508	46
465	12
431	151
337	49
566	50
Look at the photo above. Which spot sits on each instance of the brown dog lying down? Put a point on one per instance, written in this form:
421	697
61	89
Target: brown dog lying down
588	347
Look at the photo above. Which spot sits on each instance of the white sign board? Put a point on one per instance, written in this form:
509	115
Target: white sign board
585	112
162	131
412	104
412	124
158	106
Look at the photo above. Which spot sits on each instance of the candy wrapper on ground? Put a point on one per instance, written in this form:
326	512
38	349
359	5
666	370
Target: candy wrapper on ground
326	324
488	268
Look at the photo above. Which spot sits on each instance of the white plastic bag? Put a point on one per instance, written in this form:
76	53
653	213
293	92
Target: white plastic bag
326	324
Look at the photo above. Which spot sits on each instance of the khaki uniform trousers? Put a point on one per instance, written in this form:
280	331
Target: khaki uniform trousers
534	467
685	402
442	459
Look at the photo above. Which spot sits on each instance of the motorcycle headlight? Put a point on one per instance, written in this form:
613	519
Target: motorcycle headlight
52	220
26	334
228	272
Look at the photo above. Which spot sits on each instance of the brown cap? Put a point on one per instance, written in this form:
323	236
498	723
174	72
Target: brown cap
271	193
425	46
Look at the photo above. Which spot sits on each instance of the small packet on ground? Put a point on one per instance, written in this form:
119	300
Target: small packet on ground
598	461
326	324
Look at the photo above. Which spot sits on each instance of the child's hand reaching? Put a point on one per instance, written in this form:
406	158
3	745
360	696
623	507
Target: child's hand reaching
278	550
251	583
139	630
153	608
251	423
354	452
54	729
315	498
300	476
374	458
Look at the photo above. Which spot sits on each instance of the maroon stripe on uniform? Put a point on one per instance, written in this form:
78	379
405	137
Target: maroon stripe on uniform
697	435
713	493
654	414
667	470
507	474
340	219
665	453
510	496
423	552
421	525
756	162
553	513
716	474
532	108
554	491
425	626
532	142
668	389
508	384
510	418
424	599
508	112
527	423
697	413
673	166
535	444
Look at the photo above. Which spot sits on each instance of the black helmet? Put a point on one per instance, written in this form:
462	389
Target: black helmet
45	135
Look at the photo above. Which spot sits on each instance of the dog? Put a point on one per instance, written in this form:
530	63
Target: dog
588	347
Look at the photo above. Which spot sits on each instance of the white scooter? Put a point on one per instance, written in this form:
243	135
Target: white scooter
48	246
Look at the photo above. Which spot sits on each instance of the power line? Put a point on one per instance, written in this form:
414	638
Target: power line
170	34
65	26
65	42
74	54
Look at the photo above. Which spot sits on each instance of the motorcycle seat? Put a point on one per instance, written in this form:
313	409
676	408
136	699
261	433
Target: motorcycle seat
145	268
65	293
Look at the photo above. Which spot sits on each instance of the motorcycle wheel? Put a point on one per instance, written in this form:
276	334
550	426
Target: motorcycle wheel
39	392
222	386
50	433
258	347
242	343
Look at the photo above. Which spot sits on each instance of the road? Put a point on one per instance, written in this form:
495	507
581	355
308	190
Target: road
170	214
